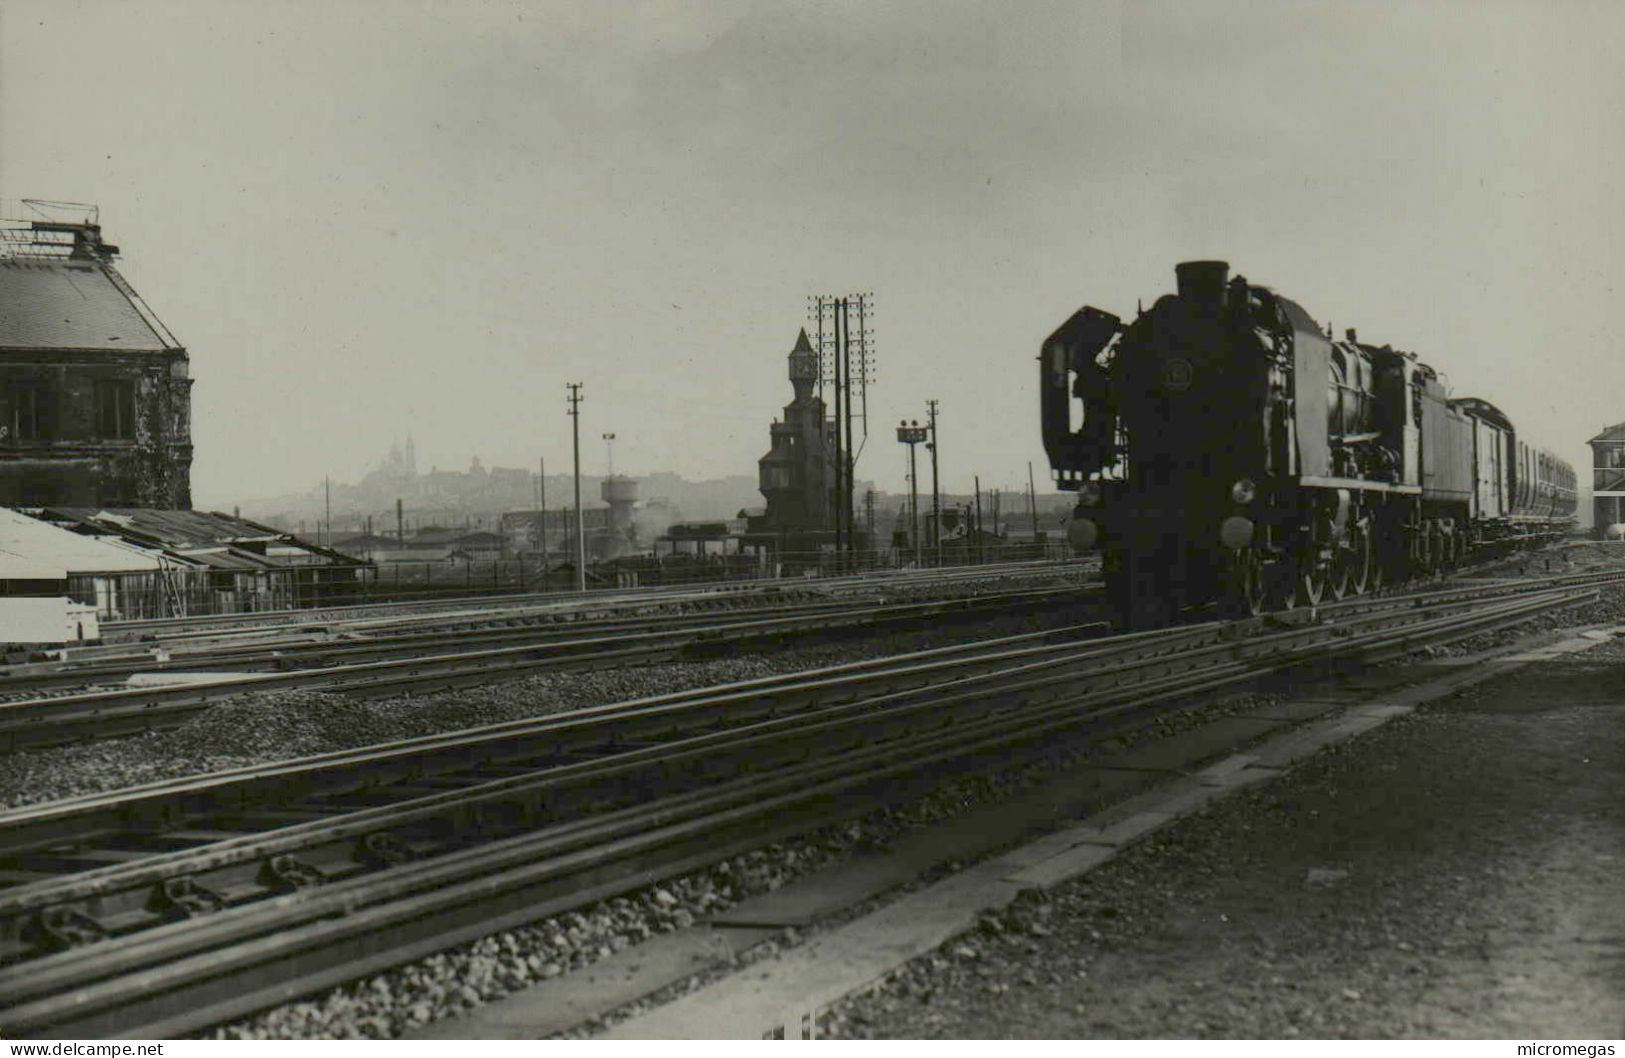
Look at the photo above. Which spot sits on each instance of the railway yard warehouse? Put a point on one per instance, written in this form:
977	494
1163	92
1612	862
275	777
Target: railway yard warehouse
766	521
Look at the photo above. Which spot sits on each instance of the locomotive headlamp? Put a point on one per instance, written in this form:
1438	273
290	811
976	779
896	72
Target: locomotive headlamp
1089	494
1082	534
1243	491
1236	533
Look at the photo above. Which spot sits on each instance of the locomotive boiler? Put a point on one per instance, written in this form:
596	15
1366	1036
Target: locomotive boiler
1226	450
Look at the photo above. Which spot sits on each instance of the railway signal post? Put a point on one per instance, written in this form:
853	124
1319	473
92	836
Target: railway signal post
936	496
911	435
575	430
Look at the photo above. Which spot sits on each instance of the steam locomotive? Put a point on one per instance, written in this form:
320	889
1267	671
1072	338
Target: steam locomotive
1226	450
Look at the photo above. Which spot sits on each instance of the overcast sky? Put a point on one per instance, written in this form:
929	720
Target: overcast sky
366	219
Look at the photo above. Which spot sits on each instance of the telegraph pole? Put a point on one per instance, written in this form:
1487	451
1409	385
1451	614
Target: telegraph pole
1032	500
581	536
936	496
541	485
847	357
978	529
840	453
851	459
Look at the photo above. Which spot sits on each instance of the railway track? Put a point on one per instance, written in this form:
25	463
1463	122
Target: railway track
710	593
424	661
163	909
321	646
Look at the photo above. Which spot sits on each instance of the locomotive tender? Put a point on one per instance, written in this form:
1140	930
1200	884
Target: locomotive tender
1229	451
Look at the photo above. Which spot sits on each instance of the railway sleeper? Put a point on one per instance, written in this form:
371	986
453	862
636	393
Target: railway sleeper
345	860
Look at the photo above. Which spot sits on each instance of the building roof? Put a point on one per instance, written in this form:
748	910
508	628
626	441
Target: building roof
174	527
70	304
480	537
434	537
364	540
802	344
226	558
26	541
1615	432
19	567
189	534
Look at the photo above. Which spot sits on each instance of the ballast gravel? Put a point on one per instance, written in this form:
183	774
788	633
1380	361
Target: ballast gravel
239	732
1608	609
459	979
1454	874
258	728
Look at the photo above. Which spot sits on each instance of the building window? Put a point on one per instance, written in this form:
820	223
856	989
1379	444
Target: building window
115	410
22	420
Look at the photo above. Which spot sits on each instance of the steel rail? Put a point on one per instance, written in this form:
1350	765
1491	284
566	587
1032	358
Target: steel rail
662	594
127	710
219	964
307	652
123	711
1033	670
316	643
643	718
586	730
762	731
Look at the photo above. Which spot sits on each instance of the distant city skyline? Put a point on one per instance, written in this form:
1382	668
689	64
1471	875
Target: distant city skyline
364	218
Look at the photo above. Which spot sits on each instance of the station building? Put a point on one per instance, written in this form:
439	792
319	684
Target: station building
1608	480
95	394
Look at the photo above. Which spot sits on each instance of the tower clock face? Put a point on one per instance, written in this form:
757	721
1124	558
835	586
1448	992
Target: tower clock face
803	367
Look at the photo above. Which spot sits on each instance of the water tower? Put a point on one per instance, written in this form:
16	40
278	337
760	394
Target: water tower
621	493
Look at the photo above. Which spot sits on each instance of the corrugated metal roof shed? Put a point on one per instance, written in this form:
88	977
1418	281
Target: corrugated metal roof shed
39	542
225	558
174	528
181	532
61	304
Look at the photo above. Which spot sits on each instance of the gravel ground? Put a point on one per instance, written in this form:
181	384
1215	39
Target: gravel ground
1609	609
452	982
455	981
258	728
1454	874
722	606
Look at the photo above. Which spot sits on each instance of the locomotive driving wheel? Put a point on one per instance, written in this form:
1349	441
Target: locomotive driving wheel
1312	582
1244	591
1311	575
1337	574
1353	565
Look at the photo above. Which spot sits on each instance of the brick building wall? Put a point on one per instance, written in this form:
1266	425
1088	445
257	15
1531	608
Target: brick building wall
95	394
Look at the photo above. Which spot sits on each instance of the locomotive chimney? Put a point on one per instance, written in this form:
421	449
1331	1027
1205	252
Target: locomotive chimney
1202	281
